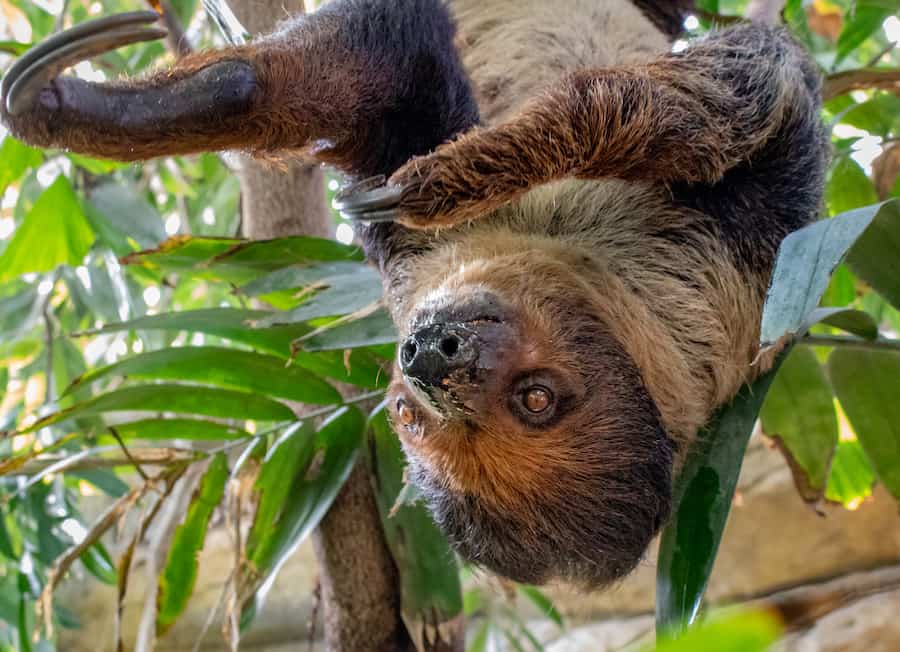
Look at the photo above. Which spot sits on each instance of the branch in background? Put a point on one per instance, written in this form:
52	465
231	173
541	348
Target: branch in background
848	341
41	466
861	79
176	40
766	12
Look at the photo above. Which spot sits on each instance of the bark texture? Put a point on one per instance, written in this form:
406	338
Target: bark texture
360	586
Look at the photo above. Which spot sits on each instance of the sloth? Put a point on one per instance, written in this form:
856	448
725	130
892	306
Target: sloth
576	230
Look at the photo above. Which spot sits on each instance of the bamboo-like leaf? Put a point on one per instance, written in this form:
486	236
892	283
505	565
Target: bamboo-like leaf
230	368
544	604
176	581
753	631
299	276
179	399
702	497
319	465
361	368
799	414
194	429
345	294
371	330
98	562
429	574
867	384
863	18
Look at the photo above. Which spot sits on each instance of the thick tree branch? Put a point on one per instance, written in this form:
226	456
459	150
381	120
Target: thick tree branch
861	79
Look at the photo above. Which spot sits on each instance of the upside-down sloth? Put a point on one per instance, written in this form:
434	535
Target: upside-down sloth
576	232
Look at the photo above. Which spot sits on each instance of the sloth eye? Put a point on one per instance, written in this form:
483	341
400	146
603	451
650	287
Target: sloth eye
537	399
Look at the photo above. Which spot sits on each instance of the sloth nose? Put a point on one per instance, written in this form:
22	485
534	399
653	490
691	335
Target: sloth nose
432	353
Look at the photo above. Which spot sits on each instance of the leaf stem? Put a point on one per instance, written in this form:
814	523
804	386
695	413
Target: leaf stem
848	341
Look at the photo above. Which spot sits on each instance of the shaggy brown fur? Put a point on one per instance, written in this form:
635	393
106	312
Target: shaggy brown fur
605	235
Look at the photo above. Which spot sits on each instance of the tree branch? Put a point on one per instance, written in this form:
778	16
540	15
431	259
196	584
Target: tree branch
848	341
764	11
860	79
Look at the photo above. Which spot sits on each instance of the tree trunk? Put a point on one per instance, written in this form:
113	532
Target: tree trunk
360	585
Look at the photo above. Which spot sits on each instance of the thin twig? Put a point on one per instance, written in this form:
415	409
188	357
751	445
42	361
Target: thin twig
134	462
849	341
885	50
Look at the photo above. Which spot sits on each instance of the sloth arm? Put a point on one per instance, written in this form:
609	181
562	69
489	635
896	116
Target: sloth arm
360	84
685	120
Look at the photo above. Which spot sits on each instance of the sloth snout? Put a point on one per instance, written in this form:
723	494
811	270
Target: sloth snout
434	352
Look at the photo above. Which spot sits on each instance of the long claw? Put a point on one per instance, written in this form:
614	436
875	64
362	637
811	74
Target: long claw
44	62
369	201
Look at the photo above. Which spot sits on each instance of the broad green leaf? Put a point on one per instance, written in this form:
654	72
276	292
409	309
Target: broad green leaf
848	187
95	165
296	276
15	159
176	581
194	429
243	370
371	330
702	496
326	460
857	322
55	232
122	216
879	116
867	383
344	294
747	631
863	19
18	313
179	399
875	255
362	368
805	261
429	575
799	414
841	289
852	475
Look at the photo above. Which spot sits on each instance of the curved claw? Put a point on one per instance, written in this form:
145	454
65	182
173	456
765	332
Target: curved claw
369	200
44	62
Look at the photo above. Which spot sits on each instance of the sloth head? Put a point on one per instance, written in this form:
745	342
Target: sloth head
528	428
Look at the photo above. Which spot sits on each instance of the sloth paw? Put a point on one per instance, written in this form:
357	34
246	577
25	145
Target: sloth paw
425	193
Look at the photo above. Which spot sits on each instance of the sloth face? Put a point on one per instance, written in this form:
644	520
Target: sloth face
529	431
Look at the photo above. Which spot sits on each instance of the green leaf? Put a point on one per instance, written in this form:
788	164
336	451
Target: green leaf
371	330
805	261
852	476
193	429
543	603
223	367
98	562
874	256
752	631
702	496
55	232
429	575
180	399
176	581
862	20
17	159
289	278
848	187
316	469
857	322
344	295
104	479
867	383
799	414
16	49
240	260
121	216
362	368
841	289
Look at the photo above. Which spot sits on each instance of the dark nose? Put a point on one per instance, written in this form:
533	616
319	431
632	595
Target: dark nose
432	353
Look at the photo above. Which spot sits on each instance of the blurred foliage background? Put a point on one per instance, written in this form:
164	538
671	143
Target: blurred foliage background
142	344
